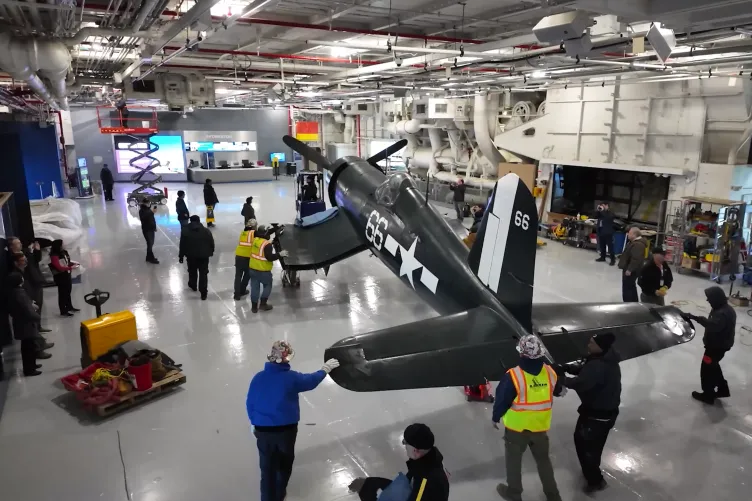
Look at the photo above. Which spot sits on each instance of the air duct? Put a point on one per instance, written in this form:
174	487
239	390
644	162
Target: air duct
486	110
29	59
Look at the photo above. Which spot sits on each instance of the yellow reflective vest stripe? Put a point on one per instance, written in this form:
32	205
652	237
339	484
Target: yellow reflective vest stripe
531	409
258	261
245	243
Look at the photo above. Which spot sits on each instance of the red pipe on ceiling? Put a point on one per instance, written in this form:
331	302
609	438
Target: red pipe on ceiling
339	29
270	55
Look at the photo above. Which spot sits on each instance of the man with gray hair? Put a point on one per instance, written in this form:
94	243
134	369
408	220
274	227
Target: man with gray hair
631	262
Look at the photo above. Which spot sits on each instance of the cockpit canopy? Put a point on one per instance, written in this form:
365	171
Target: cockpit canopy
388	192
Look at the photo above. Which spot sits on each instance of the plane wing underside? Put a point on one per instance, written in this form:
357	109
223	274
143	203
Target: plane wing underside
469	347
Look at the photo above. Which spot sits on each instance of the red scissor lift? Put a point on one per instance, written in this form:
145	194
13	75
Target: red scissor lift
138	124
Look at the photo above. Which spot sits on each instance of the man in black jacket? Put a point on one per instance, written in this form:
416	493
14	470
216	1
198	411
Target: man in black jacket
425	470
105	176
34	281
149	229
605	232
182	209
211	201
720	327
598	384
197	244
459	198
655	279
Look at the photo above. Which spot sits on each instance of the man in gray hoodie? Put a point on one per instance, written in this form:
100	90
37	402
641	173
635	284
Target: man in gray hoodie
720	327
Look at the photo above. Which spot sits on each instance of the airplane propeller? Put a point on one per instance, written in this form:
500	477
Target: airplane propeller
307	152
386	153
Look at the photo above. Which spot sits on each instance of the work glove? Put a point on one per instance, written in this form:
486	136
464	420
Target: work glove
284	253
562	392
357	484
688	316
180	260
330	365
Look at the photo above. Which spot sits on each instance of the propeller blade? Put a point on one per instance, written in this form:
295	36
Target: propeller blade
308	152
386	153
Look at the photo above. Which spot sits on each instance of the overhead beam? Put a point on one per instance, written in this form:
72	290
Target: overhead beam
423	9
336	14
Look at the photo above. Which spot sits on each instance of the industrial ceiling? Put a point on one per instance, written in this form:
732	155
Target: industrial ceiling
267	52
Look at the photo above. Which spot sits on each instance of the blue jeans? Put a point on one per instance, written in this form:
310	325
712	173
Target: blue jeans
259	278
276	458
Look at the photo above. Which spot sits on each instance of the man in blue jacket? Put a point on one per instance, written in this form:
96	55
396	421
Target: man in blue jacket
274	410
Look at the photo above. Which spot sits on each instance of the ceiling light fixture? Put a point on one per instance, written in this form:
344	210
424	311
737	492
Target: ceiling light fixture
538	74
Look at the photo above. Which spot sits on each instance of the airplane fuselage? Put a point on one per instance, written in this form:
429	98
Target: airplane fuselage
411	238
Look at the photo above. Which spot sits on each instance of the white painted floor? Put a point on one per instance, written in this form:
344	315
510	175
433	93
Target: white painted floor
195	444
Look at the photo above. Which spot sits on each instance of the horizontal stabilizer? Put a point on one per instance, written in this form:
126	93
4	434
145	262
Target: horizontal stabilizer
320	246
453	350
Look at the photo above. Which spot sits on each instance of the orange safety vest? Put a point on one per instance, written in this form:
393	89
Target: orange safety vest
531	409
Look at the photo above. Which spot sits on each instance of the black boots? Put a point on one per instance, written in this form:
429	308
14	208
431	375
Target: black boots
703	397
265	306
723	391
600	260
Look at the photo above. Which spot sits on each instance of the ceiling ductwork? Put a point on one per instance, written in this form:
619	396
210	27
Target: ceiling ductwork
32	60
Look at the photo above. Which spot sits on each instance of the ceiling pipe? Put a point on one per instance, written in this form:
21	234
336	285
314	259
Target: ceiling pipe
133	31
400	48
27	59
252	7
270	55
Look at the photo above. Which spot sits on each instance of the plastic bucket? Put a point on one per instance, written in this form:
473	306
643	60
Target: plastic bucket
141	376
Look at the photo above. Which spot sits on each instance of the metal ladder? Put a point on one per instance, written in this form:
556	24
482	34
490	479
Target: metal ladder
146	190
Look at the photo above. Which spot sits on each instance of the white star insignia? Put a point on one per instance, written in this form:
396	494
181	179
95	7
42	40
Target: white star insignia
409	262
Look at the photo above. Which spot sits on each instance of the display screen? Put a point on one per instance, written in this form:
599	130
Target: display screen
170	154
278	156
220	146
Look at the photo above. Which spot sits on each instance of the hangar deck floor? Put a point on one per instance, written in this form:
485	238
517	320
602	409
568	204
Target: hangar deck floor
195	445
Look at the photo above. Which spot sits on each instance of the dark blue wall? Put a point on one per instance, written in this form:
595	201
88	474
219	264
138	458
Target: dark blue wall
41	160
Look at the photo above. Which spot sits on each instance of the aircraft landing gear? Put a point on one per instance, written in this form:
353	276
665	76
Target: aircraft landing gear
290	278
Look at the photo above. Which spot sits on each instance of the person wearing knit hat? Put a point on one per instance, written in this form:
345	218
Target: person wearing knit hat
426	478
524	400
273	406
598	384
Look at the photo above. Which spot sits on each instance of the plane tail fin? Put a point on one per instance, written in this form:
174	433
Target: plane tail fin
503	255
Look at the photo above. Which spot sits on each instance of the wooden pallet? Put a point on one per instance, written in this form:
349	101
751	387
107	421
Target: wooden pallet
166	385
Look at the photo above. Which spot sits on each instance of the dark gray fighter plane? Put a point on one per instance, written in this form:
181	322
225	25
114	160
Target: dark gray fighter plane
484	296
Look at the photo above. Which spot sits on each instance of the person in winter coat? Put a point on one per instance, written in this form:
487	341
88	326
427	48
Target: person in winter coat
61	266
524	427
149	229
459	198
182	209
260	264
630	263
425	470
598	384
655	279
34	281
605	232
248	211
273	406
720	327
21	266
197	244
105	176
211	201
25	322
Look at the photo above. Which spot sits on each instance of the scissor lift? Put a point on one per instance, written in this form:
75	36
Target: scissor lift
139	124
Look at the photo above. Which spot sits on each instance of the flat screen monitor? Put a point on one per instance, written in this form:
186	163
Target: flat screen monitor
170	154
279	156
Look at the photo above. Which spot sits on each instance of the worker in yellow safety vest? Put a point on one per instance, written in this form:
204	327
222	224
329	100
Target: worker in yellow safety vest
260	266
243	258
524	399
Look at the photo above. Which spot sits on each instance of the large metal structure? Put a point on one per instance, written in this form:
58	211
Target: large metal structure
485	295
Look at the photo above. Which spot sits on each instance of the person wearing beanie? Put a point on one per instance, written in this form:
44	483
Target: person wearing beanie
273	407
148	228
720	327
248	211
655	279
197	244
182	209
597	382
428	480
243	259
524	400
263	254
